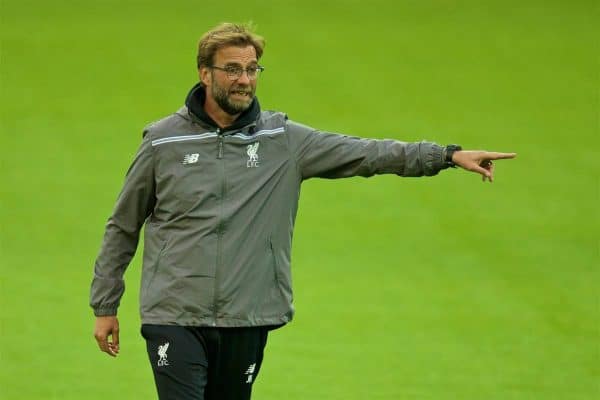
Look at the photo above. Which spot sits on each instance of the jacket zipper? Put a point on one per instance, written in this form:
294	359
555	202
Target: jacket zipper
219	260
220	152
220	227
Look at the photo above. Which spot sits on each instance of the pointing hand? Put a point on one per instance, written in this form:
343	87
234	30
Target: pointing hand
480	161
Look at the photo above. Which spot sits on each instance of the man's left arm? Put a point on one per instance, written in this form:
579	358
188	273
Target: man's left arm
331	155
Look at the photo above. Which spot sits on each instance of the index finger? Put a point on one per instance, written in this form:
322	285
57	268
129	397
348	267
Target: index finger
115	337
492	155
103	344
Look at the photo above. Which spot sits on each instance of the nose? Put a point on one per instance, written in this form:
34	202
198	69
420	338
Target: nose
244	78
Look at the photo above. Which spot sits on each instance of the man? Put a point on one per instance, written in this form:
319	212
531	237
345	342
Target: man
217	185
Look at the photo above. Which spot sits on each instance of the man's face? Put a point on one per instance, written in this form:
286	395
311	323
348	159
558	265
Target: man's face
233	96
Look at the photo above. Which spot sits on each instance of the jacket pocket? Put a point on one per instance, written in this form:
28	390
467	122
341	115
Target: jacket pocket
156	262
277	274
148	297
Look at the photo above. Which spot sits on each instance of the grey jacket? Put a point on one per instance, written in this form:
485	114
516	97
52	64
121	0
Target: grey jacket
219	208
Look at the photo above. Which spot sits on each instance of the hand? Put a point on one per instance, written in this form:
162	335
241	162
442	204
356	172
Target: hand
105	327
479	161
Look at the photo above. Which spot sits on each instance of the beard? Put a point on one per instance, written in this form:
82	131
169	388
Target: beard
221	96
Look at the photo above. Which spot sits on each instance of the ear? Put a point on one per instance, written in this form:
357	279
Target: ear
205	75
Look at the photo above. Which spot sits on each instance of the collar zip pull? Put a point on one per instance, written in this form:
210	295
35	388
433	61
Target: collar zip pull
220	153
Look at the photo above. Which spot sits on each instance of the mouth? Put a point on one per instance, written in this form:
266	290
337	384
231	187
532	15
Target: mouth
241	93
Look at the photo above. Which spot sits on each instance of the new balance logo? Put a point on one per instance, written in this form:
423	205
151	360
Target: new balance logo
250	371
162	353
252	149
190	158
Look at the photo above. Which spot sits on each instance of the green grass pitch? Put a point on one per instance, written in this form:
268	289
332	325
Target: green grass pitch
432	288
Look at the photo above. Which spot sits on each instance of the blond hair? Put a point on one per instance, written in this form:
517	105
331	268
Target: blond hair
224	35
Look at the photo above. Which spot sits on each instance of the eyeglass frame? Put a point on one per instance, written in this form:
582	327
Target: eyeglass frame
240	71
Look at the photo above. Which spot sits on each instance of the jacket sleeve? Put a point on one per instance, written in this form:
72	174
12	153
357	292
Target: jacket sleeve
134	204
331	155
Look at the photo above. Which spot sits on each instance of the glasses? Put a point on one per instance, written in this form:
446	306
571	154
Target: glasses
234	72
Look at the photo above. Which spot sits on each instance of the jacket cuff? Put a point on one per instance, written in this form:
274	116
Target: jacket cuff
105	311
434	160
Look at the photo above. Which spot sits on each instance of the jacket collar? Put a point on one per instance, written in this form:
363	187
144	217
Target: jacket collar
195	104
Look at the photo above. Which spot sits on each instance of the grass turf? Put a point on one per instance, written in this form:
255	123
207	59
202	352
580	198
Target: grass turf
433	288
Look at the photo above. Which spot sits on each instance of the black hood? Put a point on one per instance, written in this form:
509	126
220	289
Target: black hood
195	104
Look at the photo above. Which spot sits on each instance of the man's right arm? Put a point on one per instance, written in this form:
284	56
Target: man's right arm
134	203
